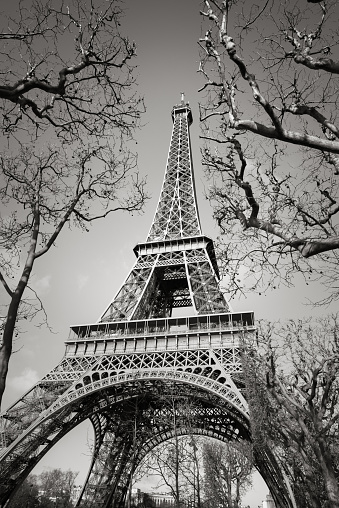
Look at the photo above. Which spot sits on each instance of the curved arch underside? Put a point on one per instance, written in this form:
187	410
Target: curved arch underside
131	372
130	419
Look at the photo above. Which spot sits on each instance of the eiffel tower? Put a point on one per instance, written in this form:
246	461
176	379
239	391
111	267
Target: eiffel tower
132	372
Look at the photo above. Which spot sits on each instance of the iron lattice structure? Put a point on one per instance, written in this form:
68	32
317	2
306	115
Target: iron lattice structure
128	372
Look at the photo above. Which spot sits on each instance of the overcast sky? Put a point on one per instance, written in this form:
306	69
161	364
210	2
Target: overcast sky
80	276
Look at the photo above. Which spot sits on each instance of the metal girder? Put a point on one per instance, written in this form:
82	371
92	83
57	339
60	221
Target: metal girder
141	423
129	372
107	401
175	248
147	287
177	212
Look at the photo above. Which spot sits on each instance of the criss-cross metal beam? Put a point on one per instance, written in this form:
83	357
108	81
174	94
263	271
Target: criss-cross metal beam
122	371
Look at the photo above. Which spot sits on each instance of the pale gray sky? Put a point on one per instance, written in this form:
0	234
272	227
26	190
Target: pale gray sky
79	277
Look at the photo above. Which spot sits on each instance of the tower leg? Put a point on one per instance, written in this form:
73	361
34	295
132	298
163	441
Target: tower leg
109	477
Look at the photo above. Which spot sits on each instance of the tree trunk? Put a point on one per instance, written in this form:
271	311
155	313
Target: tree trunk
7	340
16	296
237	494
331	483
198	486
5	354
176	453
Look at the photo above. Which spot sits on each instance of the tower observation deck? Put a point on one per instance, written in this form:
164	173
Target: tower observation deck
176	266
131	372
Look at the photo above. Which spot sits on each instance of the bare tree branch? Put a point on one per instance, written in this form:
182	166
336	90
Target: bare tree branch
275	192
67	77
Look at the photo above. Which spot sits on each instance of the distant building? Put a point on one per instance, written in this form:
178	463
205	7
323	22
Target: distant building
136	495
268	503
161	499
76	491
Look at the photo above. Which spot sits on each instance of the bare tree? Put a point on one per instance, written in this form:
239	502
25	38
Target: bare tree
269	119
67	66
27	495
292	374
145	502
194	469
228	469
69	109
53	488
57	486
177	462
166	460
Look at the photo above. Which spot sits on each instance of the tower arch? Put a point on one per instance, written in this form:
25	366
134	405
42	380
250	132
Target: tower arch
122	371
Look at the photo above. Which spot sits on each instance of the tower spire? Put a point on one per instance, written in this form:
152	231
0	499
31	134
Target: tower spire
131	372
177	215
176	266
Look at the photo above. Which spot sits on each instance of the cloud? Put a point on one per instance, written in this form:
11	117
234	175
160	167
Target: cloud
43	285
24	381
82	281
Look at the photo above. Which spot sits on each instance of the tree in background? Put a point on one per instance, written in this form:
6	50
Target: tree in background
69	109
197	470
177	462
227	473
292	376
28	494
165	462
269	120
193	471
56	486
145	502
208	473
50	489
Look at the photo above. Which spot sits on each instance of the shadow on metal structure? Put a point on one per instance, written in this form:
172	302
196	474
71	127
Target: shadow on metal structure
131	372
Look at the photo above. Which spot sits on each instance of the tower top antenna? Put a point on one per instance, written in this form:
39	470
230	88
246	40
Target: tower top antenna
183	108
